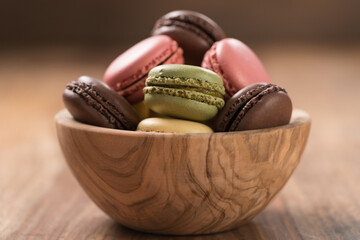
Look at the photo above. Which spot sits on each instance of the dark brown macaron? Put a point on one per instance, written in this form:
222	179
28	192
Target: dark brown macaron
194	32
91	101
257	106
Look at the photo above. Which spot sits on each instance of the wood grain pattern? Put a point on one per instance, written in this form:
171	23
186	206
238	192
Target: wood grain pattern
182	183
41	199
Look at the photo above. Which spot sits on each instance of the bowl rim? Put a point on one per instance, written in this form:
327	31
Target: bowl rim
64	118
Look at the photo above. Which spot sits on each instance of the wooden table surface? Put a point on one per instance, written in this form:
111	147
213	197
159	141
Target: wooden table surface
40	198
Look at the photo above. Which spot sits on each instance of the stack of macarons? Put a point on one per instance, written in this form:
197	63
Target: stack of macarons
187	77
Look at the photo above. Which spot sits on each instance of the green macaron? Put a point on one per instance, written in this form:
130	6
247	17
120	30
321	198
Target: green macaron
184	91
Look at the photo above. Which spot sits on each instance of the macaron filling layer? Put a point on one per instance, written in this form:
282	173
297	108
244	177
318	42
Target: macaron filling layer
189	88
99	103
214	89
196	96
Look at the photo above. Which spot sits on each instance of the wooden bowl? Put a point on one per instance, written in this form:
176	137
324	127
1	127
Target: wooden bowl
182	183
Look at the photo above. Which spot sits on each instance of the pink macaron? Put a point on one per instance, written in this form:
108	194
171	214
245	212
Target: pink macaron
236	64
128	72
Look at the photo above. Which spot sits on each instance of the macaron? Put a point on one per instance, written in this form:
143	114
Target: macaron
236	64
194	32
257	106
141	109
184	91
127	73
91	101
170	125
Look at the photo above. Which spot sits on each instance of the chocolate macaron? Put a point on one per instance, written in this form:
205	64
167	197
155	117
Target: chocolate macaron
194	32
257	106
91	101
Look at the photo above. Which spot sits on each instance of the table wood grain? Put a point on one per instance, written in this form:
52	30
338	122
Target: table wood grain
40	199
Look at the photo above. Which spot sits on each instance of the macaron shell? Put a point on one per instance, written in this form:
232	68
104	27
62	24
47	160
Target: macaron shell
236	64
194	32
176	58
99	105
234	105
169	125
207	25
186	71
132	66
180	107
86	113
272	110
134	94
117	104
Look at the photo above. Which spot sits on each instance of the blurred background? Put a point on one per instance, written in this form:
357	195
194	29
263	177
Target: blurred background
309	47
94	22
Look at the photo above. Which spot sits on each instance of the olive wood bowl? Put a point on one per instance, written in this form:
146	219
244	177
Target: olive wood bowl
182	184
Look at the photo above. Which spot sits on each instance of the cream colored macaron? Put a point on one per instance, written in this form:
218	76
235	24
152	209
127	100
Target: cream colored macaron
171	125
141	109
